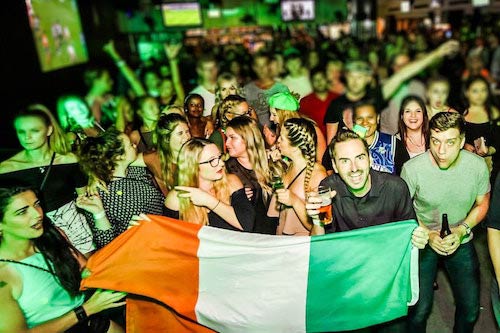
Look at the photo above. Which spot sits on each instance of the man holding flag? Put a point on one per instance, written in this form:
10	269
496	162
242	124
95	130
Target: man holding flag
364	198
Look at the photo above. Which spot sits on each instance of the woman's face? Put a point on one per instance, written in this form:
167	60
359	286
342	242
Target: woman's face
413	116
211	164
32	132
437	93
78	113
23	217
477	93
195	106
228	88
179	136
284	143
166	88
150	110
235	144
151	81
273	115
130	148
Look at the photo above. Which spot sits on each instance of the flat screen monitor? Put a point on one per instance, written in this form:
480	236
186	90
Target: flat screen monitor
57	32
297	10
479	3
181	14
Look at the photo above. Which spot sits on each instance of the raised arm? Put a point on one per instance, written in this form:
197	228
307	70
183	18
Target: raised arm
172	52
392	84
124	68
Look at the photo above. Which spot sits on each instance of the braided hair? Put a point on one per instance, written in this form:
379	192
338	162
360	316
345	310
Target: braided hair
302	134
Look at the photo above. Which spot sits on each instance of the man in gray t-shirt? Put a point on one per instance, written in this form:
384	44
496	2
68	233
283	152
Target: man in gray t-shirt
452	181
257	92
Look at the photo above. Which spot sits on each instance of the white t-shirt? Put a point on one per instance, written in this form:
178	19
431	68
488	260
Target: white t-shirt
208	98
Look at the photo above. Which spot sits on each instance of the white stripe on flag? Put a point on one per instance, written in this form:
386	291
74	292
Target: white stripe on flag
252	282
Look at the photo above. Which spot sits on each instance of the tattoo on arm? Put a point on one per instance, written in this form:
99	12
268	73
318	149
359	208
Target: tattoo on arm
3	284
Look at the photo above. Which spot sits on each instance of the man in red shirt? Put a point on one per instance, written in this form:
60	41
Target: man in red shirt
315	104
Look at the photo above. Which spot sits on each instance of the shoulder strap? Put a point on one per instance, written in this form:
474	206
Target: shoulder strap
295	178
25	264
42	185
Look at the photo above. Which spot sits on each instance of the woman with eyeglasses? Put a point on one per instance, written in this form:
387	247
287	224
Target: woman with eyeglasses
205	194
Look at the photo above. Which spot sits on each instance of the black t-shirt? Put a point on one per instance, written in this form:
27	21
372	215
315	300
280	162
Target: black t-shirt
387	201
340	109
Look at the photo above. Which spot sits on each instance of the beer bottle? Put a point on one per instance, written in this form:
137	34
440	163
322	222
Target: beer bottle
445	226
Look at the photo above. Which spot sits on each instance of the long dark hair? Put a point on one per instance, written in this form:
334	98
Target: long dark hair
58	253
425	124
488	105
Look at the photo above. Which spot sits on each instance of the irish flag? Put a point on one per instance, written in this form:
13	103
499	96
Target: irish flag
183	277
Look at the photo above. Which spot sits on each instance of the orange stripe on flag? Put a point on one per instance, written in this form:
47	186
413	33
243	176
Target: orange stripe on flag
177	257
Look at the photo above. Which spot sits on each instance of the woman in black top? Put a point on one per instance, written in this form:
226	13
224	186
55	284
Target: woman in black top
248	161
46	159
205	194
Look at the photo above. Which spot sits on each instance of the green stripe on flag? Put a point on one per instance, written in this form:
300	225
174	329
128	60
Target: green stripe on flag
361	279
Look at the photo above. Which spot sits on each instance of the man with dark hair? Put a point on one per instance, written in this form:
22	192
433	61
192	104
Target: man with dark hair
448	180
257	92
297	79
364	197
359	76
207	70
387	152
315	104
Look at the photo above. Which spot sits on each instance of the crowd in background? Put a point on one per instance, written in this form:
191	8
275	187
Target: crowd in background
203	134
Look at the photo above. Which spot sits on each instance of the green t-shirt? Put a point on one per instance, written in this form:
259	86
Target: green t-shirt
452	191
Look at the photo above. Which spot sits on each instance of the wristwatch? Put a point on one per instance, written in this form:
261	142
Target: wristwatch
468	230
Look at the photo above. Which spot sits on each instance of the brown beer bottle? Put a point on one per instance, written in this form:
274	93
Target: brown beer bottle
445	226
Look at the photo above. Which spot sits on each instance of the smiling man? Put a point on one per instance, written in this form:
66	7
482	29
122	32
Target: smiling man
365	197
448	180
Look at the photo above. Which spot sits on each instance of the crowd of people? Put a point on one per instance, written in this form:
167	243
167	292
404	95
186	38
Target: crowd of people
388	127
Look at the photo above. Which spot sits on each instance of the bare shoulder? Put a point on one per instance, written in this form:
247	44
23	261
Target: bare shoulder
12	317
172	200
66	159
318	174
234	182
13	163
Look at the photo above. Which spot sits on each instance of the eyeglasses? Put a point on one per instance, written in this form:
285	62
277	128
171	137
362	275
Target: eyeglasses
213	162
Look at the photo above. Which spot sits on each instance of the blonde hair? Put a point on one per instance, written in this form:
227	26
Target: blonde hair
188	175
57	139
302	134
249	131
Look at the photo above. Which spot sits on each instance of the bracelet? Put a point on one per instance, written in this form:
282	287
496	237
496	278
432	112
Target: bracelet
218	202
80	313
99	215
120	63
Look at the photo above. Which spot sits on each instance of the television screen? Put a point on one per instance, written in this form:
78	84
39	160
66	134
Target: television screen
57	31
297	10
181	14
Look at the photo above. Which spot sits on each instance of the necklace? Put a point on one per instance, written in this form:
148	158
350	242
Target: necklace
422	142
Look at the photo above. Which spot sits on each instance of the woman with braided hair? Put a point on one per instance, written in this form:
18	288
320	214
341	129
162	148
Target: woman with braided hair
284	106
297	141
